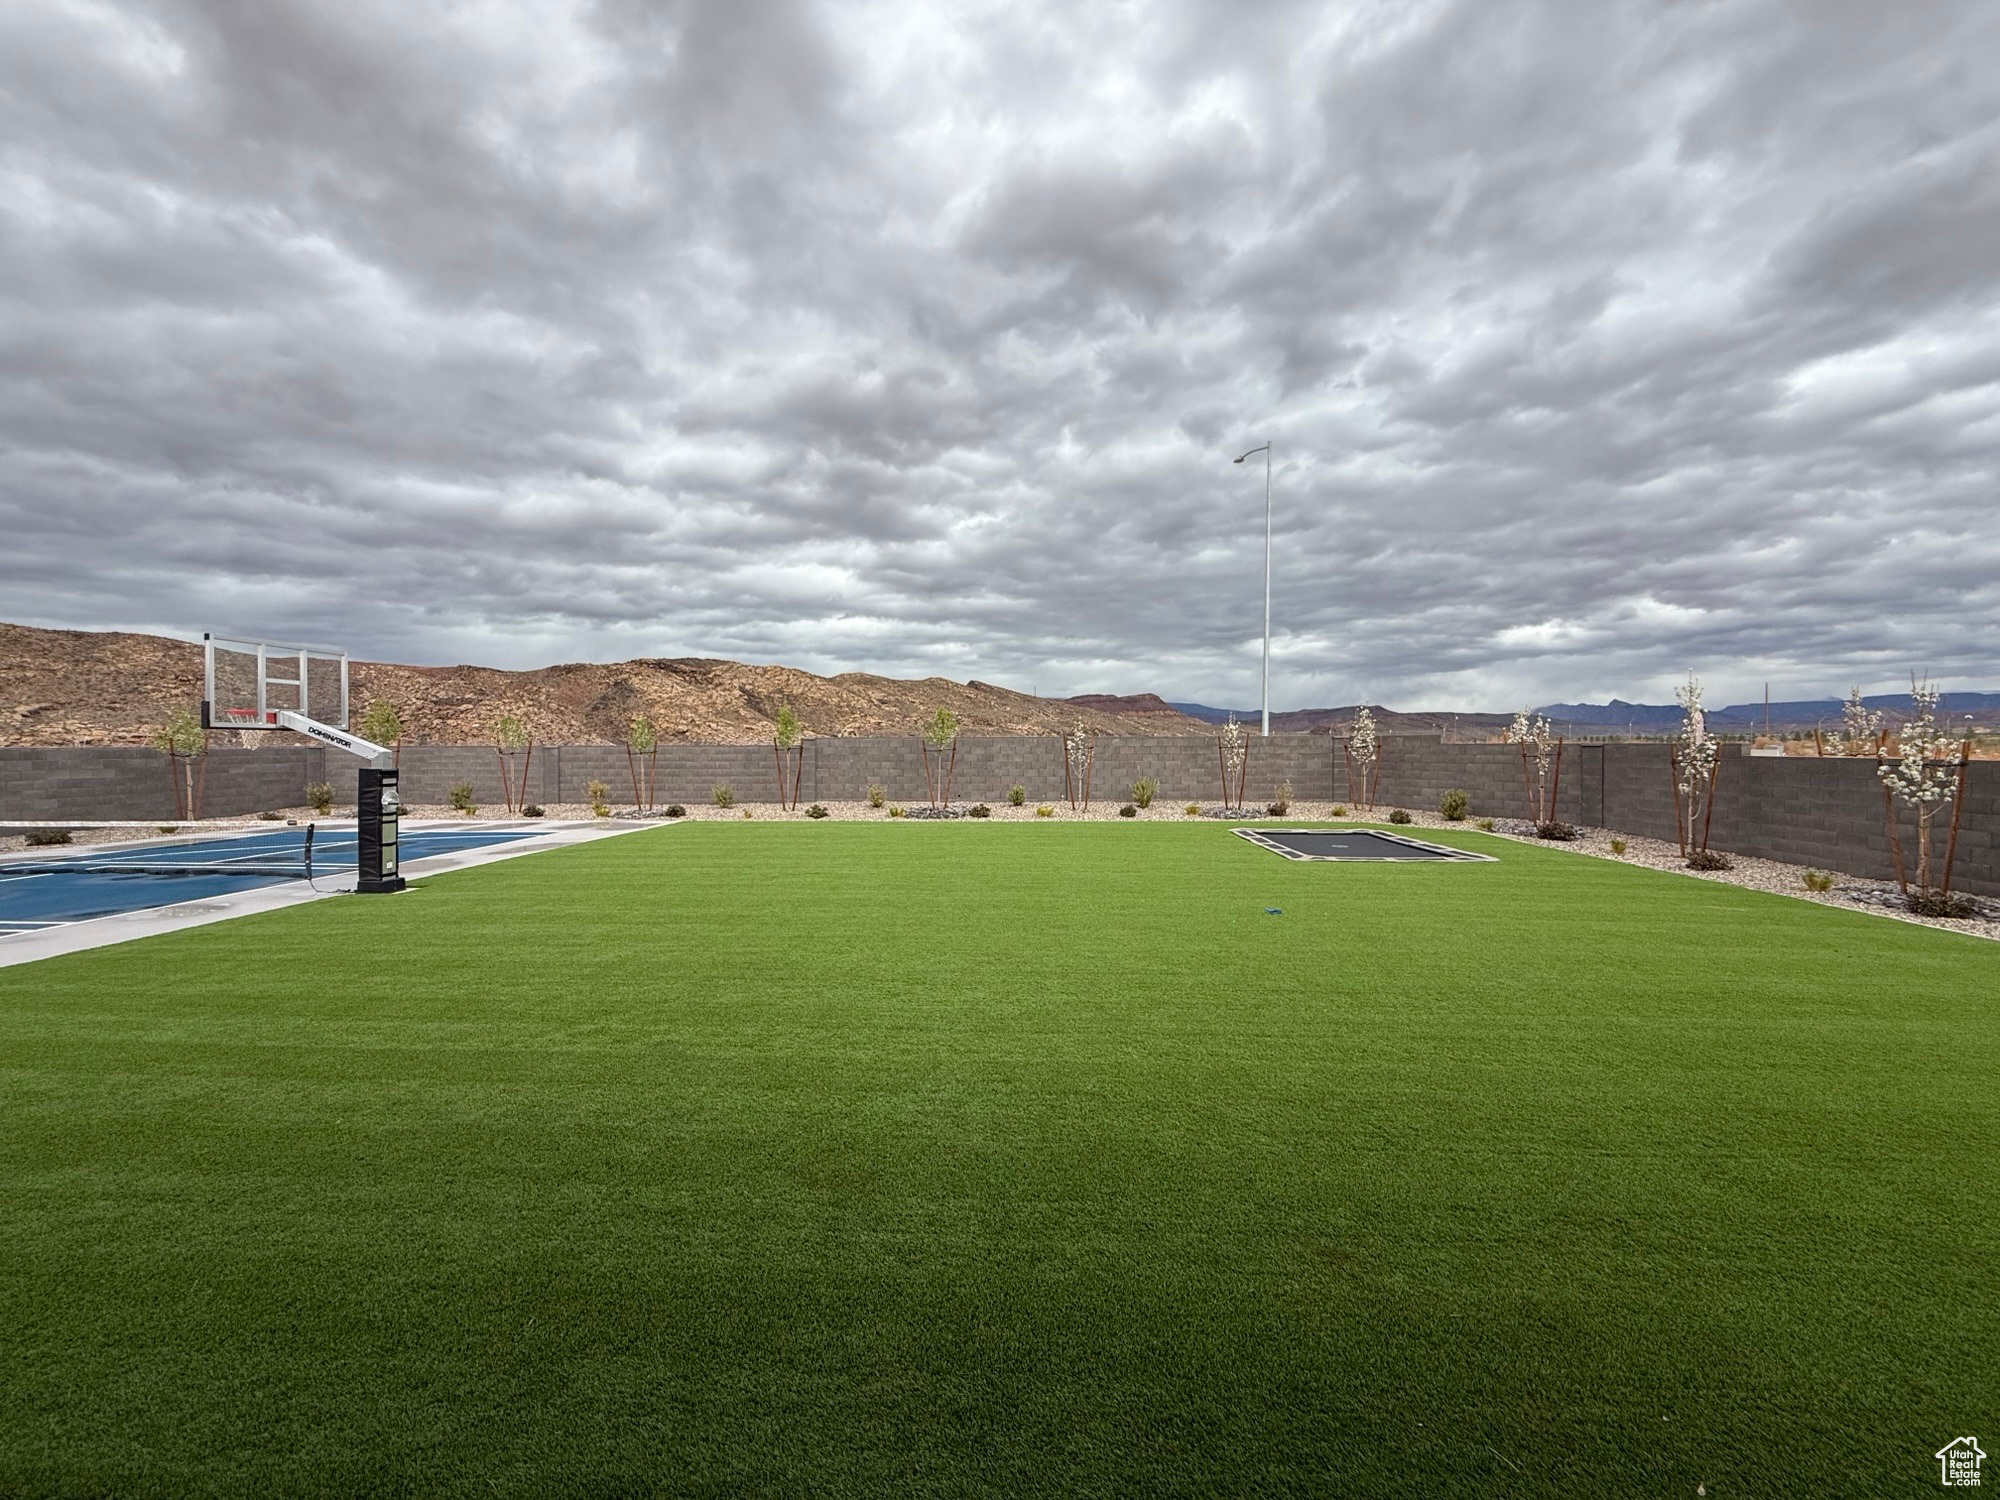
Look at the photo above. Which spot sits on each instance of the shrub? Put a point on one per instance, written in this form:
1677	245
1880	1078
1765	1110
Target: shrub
1451	806
596	792
1193	809
460	797
895	811
170	828
815	811
1708	859
1484	824
675	810
1017	795
1817	880
1144	790
1618	846
319	797
1941	904
532	811
1339	811
747	815
1128	811
979	810
47	838
877	796
1045	811
724	795
1560	833
270	817
1399	815
1282	803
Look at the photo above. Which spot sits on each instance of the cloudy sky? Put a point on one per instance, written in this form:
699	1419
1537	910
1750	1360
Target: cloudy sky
1597	340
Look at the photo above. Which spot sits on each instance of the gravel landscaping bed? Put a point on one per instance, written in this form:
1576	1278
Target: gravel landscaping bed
1879	898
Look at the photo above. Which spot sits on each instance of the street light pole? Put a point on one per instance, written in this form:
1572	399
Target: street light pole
1266	451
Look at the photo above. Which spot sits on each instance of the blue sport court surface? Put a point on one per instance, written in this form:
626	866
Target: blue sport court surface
38	892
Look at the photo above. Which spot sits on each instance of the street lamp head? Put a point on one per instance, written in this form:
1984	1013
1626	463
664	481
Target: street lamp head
1253	452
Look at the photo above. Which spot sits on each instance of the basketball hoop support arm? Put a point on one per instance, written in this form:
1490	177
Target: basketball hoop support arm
340	739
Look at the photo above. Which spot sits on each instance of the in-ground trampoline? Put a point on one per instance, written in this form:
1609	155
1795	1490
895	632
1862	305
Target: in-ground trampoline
1350	844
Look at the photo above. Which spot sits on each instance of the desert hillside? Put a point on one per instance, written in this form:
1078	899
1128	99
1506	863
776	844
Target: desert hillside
79	687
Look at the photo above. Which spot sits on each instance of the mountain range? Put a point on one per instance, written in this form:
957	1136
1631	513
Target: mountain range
1620	717
1794	714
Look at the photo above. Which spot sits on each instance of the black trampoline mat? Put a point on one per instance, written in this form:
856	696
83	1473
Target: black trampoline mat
1350	844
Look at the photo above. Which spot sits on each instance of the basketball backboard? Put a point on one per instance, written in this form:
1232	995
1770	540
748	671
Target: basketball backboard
247	684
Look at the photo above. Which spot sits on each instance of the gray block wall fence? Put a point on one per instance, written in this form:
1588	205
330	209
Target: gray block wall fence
1824	812
121	783
842	769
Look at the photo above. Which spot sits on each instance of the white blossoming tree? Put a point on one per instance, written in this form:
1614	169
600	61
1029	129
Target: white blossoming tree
1926	775
1541	762
1696	757
1079	751
1232	752
1860	731
1364	759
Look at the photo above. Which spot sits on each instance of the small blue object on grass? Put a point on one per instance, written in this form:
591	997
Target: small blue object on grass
1274	911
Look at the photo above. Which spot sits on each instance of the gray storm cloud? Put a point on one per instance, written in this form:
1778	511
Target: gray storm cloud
1597	340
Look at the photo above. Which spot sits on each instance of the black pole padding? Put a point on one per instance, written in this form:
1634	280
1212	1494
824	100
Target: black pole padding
379	804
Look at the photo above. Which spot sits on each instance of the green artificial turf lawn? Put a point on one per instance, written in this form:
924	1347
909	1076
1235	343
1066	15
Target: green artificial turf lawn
1003	1159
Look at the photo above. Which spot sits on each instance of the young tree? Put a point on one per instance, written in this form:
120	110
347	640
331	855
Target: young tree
517	752
642	760
1926	775
186	745
1232	752
939	749
1695	758
1364	752
1541	762
787	748
1079	753
942	729
381	724
1860	729
786	728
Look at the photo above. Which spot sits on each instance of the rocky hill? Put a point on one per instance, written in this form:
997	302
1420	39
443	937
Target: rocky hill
78	687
